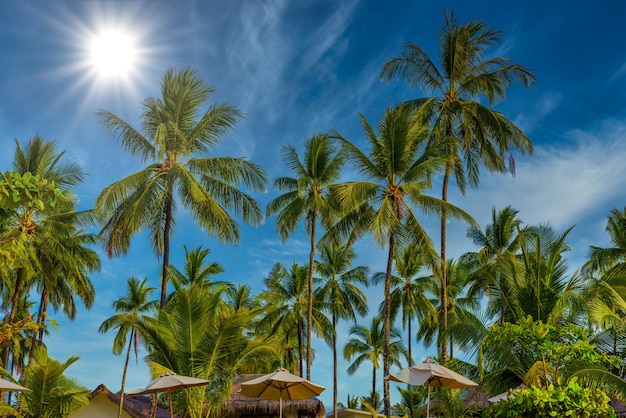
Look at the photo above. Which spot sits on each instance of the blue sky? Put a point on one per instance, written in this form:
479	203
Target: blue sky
301	68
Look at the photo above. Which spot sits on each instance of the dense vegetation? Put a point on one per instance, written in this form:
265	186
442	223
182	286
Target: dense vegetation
559	333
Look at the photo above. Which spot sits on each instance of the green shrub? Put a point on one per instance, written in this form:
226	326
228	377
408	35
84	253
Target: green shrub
572	400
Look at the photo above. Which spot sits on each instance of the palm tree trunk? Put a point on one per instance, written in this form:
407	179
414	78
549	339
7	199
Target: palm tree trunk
19	279
387	322
309	314
166	249
300	356
38	335
443	326
130	345
410	338
373	383
334	365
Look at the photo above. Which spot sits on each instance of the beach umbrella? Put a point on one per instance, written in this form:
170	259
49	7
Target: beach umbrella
280	385
8	386
168	382
431	374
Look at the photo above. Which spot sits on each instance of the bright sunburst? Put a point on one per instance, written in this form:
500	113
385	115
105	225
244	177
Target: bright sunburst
113	53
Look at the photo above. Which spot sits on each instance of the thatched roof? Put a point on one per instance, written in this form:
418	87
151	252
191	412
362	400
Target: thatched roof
135	406
244	405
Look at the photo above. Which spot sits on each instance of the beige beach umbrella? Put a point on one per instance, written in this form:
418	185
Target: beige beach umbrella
8	386
168	382
505	395
280	385
431	374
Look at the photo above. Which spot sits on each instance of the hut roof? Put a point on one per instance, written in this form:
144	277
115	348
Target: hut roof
245	405
135	406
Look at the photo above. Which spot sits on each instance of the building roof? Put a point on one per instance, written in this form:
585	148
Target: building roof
135	406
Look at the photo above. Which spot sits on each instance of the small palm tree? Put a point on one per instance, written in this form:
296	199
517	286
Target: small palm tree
340	288
306	196
174	140
196	271
128	308
368	345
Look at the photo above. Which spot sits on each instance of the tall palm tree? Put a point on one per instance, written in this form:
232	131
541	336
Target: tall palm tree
129	307
456	109
306	196
175	139
368	345
408	292
399	169
46	226
340	288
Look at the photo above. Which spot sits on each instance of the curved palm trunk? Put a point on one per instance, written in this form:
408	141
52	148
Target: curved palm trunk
387	326
130	345
334	319
166	248
443	326
37	338
309	314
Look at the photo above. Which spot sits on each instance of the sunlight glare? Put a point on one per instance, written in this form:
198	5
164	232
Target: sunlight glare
113	53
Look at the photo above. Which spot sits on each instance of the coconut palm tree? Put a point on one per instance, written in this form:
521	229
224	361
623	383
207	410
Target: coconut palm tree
307	196
464	88
340	288
129	307
408	290
174	141
368	345
399	169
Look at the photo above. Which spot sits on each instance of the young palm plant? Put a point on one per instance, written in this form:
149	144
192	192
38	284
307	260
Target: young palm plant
467	74
175	139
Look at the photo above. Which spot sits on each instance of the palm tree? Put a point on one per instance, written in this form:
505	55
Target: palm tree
475	133
400	166
286	302
408	291
46	226
341	290
174	140
613	257
136	302
196	271
306	196
368	345
496	262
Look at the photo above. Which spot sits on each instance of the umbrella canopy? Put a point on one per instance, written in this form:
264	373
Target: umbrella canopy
8	386
280	385
431	374
168	382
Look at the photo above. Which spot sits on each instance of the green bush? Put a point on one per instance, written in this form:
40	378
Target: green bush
572	400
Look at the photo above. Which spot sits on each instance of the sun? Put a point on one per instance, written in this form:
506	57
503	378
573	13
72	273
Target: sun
113	53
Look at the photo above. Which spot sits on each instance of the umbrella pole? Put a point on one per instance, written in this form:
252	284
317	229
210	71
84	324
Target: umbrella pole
169	394
281	404
428	404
